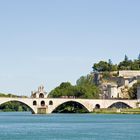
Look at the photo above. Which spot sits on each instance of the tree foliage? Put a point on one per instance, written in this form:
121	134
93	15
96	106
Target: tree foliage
126	64
104	66
84	89
13	106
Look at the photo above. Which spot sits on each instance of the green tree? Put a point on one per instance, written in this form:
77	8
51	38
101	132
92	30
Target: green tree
65	85
126	58
64	89
112	67
110	62
84	80
135	65
87	85
85	88
101	66
126	64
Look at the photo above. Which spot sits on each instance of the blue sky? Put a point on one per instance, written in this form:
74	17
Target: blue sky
53	41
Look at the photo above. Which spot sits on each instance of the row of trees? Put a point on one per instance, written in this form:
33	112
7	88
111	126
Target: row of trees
126	64
11	95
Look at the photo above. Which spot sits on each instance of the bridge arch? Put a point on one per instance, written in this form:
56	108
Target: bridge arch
67	102
97	106
119	104
20	101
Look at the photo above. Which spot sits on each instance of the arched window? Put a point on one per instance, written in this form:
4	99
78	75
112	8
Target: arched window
50	102
97	106
41	95
34	103
42	103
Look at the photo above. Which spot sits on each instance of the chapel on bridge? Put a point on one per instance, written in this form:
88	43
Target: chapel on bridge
40	93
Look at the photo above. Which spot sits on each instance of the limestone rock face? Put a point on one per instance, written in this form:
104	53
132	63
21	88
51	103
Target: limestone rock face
116	85
124	93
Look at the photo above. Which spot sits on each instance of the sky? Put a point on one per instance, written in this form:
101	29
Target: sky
52	41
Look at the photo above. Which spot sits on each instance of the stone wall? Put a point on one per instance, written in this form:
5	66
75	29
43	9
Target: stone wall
129	73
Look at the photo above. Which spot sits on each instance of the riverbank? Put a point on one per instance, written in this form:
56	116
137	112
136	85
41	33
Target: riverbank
117	111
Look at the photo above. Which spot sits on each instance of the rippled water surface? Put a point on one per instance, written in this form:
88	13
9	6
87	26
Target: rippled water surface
25	126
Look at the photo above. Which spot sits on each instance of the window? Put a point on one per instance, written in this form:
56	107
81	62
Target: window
50	102
34	103
41	95
42	103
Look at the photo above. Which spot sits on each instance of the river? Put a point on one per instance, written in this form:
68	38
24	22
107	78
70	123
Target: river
25	126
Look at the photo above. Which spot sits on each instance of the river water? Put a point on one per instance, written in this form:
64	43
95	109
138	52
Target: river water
25	126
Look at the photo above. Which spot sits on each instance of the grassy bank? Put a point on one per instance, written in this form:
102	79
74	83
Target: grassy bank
117	111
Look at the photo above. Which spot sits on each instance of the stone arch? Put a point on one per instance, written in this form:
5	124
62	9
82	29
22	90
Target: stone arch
58	105
97	106
22	102
34	102
42	103
41	95
119	105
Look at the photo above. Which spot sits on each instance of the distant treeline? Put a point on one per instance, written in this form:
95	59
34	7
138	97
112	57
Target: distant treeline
126	64
11	95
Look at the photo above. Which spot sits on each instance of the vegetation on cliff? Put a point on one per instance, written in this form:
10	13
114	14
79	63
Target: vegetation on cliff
126	64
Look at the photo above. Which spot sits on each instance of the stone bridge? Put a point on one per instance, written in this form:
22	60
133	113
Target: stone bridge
48	105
